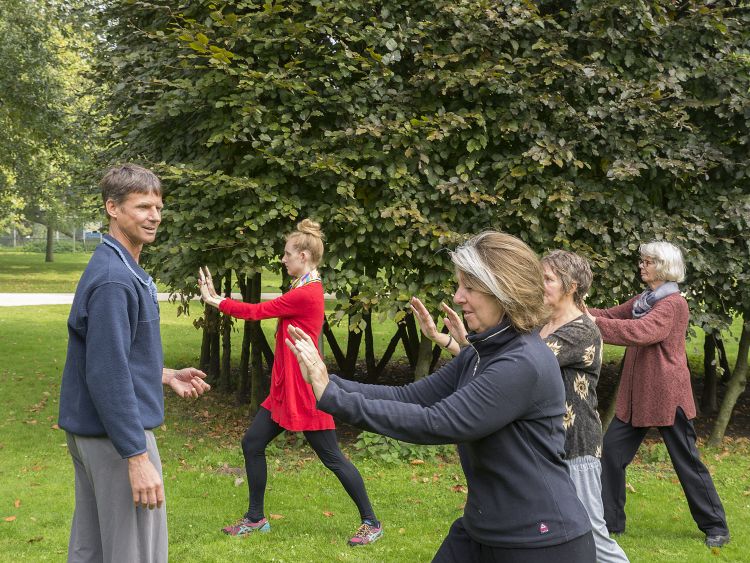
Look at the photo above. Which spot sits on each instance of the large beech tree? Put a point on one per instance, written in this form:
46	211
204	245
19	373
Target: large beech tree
404	126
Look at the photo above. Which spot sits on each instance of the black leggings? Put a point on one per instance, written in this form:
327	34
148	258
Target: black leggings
263	429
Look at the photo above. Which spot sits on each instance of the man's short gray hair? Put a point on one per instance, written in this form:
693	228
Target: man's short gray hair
667	260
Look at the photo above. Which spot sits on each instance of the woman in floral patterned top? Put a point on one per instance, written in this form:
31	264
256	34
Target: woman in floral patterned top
577	344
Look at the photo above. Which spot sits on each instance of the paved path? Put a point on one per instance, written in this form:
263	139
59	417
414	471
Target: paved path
19	299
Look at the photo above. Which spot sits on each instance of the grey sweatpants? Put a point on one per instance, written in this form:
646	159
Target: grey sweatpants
585	472
107	527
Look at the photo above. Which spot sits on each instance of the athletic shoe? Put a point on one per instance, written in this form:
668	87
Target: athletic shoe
717	540
244	526
366	533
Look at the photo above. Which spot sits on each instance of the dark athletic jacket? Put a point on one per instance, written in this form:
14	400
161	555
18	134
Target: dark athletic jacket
502	401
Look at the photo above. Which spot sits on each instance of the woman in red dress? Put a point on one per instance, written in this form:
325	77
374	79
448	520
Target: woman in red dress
291	404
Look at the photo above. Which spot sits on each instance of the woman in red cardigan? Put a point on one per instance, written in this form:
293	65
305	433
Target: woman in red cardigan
655	391
291	404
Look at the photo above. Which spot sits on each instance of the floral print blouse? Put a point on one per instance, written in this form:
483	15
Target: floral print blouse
578	348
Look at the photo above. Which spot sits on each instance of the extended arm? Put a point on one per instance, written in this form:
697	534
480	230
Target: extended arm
286	305
426	391
649	329
492	400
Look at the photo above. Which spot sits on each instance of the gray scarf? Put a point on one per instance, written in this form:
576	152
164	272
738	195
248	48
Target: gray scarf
650	297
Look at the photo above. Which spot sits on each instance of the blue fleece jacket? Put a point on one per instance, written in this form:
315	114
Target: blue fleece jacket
111	383
502	400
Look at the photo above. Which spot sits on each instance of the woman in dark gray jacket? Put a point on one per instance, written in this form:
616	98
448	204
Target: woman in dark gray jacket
501	399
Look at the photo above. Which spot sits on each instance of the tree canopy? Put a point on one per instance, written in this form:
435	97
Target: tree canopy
404	126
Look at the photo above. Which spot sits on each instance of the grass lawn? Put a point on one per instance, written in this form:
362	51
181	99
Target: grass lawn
27	272
312	515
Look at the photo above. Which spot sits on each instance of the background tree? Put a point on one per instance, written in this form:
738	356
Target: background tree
406	126
48	140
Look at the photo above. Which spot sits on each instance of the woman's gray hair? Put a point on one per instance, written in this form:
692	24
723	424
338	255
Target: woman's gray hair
667	260
571	269
504	266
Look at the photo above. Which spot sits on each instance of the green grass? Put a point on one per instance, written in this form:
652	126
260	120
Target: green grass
199	447
27	272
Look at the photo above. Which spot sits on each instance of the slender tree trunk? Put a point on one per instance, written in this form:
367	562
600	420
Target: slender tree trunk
209	361
424	358
736	385
226	339
370	362
709	402
258	384
436	351
352	350
205	359
48	255
723	361
338	354
243	386
387	355
410	337
214	359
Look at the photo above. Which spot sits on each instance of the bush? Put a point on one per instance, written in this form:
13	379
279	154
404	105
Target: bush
59	246
392	451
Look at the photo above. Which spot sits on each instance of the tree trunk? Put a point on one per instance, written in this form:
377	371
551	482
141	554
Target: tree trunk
424	358
723	361
388	354
410	337
609	414
370	363
226	339
709	401
352	350
214	358
436	351
243	385
258	384
48	255
736	385
338	354
209	361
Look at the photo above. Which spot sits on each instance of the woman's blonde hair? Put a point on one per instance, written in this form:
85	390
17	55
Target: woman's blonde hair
504	266
308	237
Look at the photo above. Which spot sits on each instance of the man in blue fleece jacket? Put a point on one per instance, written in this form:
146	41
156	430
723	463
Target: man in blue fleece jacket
111	395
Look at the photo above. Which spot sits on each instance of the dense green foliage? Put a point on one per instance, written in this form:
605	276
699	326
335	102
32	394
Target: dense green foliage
403	126
48	141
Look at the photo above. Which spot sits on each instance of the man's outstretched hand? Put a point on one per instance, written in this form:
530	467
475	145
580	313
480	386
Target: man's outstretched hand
186	382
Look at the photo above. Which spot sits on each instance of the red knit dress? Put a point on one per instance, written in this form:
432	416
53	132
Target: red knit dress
291	400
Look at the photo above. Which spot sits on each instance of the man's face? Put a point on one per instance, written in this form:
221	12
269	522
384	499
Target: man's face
137	217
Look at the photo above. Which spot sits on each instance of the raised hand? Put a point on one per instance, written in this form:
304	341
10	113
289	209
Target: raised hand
312	367
426	324
206	285
455	325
